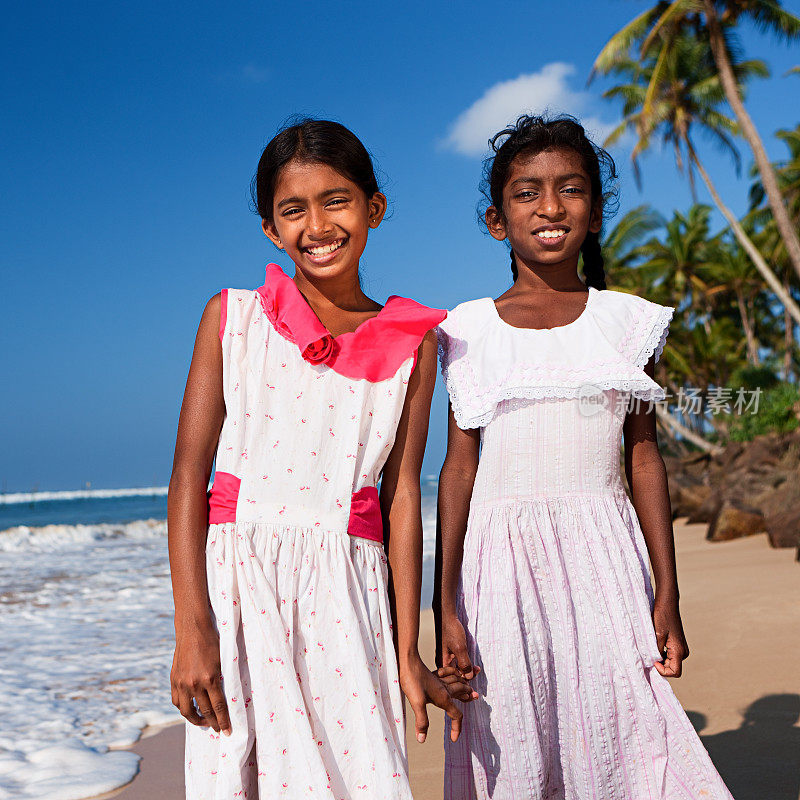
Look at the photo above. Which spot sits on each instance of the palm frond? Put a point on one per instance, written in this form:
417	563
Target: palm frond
620	43
667	22
770	17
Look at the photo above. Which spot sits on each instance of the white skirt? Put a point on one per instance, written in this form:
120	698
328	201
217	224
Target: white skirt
309	669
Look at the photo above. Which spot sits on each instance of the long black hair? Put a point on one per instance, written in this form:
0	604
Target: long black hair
312	140
530	135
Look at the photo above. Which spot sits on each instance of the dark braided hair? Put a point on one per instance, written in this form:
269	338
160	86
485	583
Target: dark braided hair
530	135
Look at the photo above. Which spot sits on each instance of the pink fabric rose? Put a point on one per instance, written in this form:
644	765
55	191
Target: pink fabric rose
320	351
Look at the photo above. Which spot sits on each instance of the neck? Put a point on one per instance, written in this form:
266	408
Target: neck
342	291
558	277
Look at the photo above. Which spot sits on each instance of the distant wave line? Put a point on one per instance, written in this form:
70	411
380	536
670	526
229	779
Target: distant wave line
93	494
80	494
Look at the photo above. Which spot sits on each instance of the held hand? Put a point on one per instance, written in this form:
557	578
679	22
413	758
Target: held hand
670	638
456	685
421	686
196	675
454	647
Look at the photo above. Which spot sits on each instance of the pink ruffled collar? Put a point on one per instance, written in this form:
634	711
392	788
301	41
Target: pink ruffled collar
374	351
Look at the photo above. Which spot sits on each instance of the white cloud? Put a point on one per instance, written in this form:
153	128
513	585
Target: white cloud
536	92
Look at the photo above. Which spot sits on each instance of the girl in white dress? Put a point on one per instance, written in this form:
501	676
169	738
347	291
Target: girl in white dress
545	584
306	393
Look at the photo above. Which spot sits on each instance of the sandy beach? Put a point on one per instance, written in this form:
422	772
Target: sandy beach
739	602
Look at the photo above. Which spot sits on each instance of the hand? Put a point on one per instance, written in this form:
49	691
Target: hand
454	647
196	675
421	686
669	636
457	687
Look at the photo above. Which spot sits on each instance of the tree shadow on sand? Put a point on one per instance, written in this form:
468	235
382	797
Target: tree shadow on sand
759	760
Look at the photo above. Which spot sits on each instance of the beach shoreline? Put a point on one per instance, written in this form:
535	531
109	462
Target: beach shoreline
739	600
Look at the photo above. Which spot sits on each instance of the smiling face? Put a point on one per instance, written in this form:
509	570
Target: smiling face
321	219
547	209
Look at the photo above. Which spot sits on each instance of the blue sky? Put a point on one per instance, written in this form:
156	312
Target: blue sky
131	136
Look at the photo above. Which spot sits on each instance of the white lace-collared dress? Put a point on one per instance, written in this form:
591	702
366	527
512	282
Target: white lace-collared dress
555	590
297	575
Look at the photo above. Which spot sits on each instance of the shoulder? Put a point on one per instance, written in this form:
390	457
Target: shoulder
233	308
635	326
464	329
212	319
409	314
211	312
624	302
467	317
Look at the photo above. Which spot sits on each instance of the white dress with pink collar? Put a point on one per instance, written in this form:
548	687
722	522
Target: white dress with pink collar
297	575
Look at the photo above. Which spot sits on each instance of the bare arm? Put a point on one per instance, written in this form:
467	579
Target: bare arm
401	504
196	665
402	519
647	479
456	480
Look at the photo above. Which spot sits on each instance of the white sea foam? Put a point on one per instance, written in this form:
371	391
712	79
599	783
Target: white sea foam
80	494
86	615
86	648
57	537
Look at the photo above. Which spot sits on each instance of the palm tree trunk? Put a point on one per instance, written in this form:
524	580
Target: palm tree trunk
788	339
758	260
768	177
681	430
752	346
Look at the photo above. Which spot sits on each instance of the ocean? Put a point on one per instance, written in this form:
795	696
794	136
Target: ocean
87	636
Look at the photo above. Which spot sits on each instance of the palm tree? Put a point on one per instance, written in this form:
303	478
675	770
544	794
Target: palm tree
788	173
672	92
773	246
620	245
768	15
680	258
730	279
711	22
666	268
724	317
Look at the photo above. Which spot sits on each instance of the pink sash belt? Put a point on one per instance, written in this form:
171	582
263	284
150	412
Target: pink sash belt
222	498
365	510
365	515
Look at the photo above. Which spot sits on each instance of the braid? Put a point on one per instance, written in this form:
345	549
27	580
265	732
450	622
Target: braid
514	270
593	261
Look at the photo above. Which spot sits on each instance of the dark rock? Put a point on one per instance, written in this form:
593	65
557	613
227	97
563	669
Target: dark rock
747	488
783	528
771	501
733	522
729	455
709	508
689	499
761	454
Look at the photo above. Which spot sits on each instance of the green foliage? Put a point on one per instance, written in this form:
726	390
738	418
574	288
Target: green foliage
727	330
733	324
788	174
751	378
777	412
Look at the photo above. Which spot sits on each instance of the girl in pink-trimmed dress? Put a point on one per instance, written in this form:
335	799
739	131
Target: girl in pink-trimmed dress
288	666
545	584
